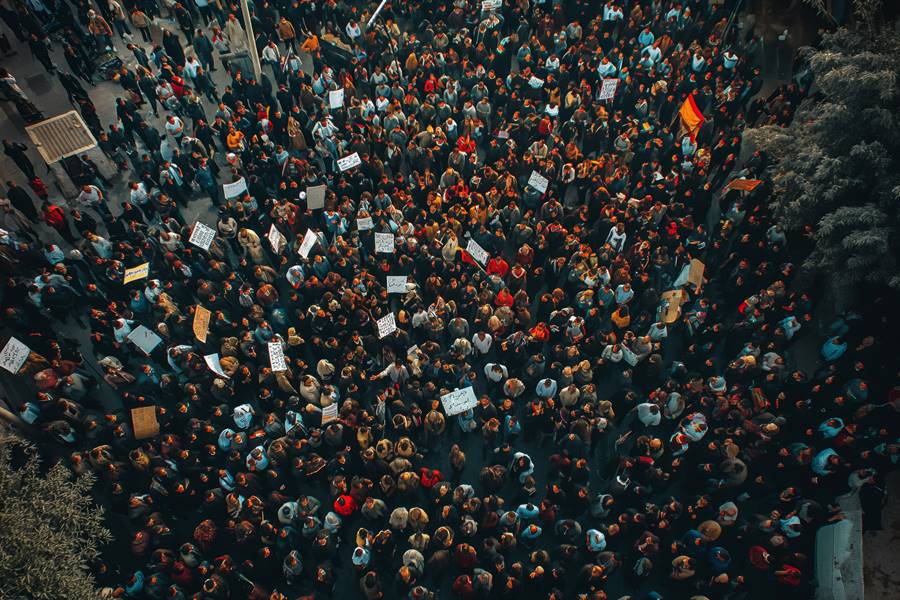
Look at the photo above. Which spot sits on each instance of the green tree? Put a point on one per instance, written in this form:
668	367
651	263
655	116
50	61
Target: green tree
837	166
50	529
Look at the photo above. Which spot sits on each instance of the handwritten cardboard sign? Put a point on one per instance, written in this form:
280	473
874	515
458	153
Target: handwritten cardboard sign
276	356
233	190
384	242
396	284
538	182
309	240
136	273
348	162
459	401
608	89
386	325
14	355
144	423
201	322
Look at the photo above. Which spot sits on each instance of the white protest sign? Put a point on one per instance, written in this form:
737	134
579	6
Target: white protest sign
608	89
348	162
233	190
335	98
384	242
144	339
276	356
535	82
212	361
14	355
411	351
491	4
459	401
275	238
315	197
538	182
477	252
202	236
386	325
309	240
365	223
330	413
138	272
396	284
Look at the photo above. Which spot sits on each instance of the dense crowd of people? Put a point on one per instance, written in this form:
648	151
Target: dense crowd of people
627	441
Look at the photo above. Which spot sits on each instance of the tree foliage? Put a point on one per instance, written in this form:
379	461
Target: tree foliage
837	166
50	529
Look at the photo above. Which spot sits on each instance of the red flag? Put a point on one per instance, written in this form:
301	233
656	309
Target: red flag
691	117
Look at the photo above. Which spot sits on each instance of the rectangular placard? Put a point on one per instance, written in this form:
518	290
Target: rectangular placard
335	98
14	355
365	223
386	325
144	339
202	236
315	197
276	357
348	162
309	240
538	182
144	423
608	89
201	322
396	284
233	190
275	238
330	413
384	242
477	252
212	361
136	273
459	401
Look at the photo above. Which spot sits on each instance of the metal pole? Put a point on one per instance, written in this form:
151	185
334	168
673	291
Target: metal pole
251	39
374	15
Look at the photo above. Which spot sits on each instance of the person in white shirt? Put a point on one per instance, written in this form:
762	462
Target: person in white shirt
658	332
272	57
546	388
649	414
397	371
482	342
495	372
190	67
92	197
353	31
616	237
175	127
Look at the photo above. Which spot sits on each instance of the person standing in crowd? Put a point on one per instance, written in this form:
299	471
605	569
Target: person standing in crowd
16	151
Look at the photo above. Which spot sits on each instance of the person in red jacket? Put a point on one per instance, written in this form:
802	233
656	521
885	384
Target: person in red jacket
498	266
504	298
345	505
56	218
428	478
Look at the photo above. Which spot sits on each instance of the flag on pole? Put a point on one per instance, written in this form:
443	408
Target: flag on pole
691	117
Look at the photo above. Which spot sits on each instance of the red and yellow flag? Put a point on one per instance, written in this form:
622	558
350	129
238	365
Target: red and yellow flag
691	117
